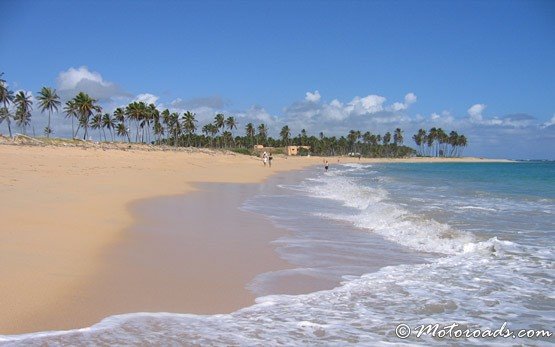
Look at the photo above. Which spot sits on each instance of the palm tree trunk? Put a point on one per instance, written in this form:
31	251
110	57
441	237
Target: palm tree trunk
72	128
48	134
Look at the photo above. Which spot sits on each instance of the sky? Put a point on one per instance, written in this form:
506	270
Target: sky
483	68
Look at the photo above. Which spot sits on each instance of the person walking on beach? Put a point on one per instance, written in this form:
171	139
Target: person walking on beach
265	158
270	158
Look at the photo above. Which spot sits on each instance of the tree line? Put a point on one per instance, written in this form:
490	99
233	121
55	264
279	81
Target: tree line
144	123
437	143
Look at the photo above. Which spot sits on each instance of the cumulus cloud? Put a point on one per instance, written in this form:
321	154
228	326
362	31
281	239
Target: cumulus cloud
75	80
147	98
410	99
312	97
475	112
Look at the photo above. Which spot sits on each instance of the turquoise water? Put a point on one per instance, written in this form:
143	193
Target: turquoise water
471	244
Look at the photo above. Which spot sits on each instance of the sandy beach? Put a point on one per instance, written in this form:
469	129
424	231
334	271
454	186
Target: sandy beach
71	244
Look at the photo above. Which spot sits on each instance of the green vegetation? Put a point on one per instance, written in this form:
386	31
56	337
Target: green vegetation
437	143
142	123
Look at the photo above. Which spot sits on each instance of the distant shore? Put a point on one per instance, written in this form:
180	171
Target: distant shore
63	207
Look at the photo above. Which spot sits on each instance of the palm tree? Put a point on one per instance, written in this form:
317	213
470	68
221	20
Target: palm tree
262	133
96	123
123	131
158	130
431	139
108	122
420	139
231	123
119	115
71	112
5	115
138	112
462	143
219	121
6	98
151	115
285	133
48	100
386	138
24	107
353	137
443	140
398	137
175	127
250	132
85	106
189	124
210	130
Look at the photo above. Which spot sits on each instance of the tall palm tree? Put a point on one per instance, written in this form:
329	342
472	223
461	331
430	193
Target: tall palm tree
119	115
50	101
189	125
285	133
386	138
231	124
96	123
151	115
250	132
210	130
352	137
219	121
443	140
175	127
6	98
123	131
158	130
398	137
5	115
85	106
108	122
262	133
70	109
420	139
137	112
24	106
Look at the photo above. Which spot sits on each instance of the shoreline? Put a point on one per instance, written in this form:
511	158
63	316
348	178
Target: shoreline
62	208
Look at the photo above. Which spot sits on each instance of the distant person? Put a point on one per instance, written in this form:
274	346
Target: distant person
326	166
264	158
270	158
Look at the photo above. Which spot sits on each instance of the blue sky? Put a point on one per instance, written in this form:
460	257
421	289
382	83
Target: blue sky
484	68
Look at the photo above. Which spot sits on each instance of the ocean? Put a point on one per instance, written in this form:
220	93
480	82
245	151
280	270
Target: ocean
386	246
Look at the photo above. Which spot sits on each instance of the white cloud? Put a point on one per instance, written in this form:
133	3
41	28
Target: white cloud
257	114
81	79
549	122
147	98
475	112
312	97
410	99
70	79
368	104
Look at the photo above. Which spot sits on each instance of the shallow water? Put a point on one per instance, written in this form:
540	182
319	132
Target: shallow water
399	243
